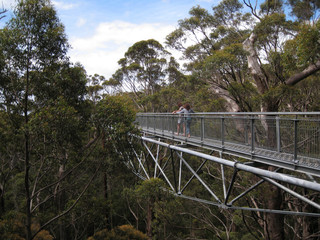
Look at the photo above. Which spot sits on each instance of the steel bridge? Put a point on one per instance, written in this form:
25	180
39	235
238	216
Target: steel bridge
282	149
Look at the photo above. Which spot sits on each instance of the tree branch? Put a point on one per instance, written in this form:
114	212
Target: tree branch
253	63
72	206
70	171
253	9
2	12
311	69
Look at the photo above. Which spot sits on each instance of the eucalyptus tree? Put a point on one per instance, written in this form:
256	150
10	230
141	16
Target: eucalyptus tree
142	72
262	52
281	54
212	45
253	58
35	88
57	121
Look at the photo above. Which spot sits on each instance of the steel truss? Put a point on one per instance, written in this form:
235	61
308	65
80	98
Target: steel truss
149	164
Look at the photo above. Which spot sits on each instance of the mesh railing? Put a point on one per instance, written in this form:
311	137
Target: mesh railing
292	133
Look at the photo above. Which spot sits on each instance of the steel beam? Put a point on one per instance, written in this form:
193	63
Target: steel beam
237	165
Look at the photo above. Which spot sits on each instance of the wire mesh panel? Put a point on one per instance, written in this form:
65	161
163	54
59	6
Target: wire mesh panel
195	126
212	127
170	123
236	129
265	132
308	138
287	135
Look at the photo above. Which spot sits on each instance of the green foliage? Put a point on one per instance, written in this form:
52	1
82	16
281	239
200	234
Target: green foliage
270	7
42	235
11	226
246	96
123	232
58	122
62	79
308	44
304	9
114	117
143	72
35	35
95	86
150	189
271	25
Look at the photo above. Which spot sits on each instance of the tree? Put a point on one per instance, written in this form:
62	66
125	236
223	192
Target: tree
217	57
252	60
55	122
146	202
143	72
34	47
33	39
271	77
119	233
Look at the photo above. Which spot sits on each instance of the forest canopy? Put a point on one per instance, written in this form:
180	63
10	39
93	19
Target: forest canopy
64	135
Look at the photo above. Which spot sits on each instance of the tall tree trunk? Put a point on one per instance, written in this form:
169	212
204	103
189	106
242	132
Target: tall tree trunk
149	220
274	222
309	225
27	159
61	203
1	200
107	188
27	186
107	195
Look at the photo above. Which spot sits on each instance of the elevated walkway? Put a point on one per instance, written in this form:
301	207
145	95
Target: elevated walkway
285	140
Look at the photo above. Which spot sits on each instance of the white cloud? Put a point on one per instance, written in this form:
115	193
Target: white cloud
100	53
208	1
7	4
63	5
81	22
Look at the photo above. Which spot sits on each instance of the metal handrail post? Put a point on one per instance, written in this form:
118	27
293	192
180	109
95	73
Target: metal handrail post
172	125
278	133
202	128
222	131
162	125
252	135
246	132
147	122
295	150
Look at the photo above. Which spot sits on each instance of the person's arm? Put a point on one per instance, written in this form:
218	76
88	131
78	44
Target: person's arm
183	111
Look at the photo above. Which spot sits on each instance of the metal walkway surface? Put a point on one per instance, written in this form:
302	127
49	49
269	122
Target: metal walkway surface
286	140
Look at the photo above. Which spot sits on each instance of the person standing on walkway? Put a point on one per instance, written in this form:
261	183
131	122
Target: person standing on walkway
187	118
180	119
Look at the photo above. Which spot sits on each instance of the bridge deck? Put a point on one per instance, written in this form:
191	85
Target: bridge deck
290	141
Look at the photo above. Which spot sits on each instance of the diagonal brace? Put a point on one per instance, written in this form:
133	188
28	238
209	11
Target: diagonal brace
198	177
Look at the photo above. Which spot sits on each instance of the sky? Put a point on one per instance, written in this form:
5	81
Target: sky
101	31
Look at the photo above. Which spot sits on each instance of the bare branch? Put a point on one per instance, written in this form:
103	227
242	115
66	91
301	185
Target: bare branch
2	12
252	8
72	206
313	68
69	172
